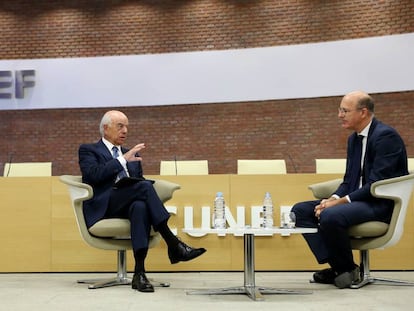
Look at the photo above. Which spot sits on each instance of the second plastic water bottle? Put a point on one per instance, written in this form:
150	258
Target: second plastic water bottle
267	211
219	216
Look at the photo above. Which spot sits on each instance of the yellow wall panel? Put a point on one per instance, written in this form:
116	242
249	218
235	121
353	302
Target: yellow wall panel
40	234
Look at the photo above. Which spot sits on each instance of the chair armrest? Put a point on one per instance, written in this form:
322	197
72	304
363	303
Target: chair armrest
78	190
324	189
393	188
165	189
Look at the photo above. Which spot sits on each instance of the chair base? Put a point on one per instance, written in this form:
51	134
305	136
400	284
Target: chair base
381	281
101	283
368	279
120	279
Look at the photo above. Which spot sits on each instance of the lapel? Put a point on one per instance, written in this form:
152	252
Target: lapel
369	138
367	149
103	150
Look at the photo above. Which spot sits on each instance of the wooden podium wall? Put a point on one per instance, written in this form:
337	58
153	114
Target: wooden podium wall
39	231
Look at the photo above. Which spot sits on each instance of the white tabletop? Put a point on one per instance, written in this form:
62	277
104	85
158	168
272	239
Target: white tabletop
240	231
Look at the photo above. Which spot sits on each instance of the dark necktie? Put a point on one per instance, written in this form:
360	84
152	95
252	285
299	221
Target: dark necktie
356	163
115	154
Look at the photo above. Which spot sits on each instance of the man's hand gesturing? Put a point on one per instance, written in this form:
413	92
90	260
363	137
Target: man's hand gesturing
132	155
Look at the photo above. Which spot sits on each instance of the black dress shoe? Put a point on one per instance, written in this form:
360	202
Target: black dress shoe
346	279
325	276
141	283
183	252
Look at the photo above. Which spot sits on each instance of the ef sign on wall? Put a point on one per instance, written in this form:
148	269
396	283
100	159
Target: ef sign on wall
13	83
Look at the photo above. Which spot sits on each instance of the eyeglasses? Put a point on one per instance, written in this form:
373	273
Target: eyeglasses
344	111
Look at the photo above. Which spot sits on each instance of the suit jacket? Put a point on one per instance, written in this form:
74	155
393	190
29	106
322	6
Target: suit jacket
99	169
385	157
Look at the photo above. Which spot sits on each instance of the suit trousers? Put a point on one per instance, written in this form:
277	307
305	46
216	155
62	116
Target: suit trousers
331	244
140	204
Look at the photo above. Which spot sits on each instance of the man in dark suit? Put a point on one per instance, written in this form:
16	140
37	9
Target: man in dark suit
104	166
381	155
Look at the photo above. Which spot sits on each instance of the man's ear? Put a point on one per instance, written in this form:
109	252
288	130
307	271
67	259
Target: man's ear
365	112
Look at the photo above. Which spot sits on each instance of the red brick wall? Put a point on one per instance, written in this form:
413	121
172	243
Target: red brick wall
297	130
53	28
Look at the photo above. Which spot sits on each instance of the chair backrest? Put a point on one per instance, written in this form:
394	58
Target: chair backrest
410	165
187	167
330	166
398	189
78	193
27	169
253	167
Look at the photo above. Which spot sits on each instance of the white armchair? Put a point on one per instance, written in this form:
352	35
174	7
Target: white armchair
375	234
110	234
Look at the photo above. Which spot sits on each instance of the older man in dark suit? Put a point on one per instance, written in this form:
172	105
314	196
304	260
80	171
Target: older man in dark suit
375	151
120	190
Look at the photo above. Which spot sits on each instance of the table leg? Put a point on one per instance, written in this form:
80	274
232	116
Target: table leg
253	291
249	278
249	288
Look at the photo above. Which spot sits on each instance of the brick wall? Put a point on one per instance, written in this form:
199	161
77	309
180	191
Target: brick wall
53	28
297	130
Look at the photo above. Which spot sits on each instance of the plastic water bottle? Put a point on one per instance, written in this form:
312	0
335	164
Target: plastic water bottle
267	211
219	216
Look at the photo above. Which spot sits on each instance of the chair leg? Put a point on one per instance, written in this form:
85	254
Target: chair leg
366	277
120	279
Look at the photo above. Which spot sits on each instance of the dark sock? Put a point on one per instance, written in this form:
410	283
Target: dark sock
167	235
140	256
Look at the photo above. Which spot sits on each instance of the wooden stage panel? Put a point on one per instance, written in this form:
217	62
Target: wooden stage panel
40	234
25	224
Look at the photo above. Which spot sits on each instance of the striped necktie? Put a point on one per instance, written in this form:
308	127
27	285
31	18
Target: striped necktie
115	154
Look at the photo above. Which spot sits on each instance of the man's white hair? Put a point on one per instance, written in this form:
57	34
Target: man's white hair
106	119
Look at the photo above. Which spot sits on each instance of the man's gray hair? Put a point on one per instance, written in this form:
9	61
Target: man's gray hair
106	119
